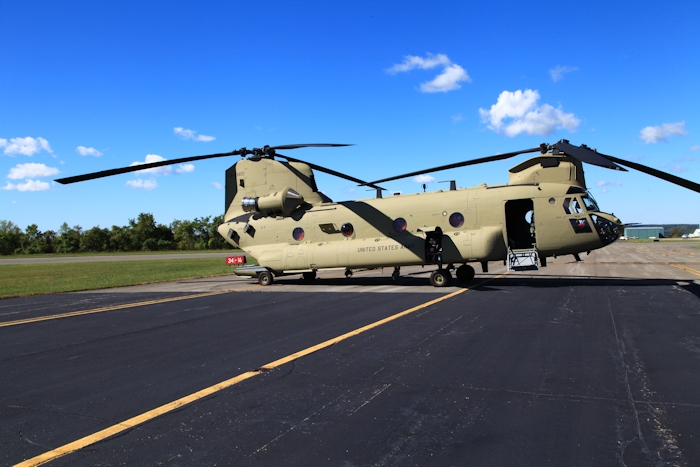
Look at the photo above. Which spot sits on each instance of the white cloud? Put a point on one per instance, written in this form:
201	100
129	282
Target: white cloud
83	151
411	62
151	158
423	179
604	185
31	170
148	185
446	81
26	146
28	185
164	169
517	112
457	118
655	134
557	73
217	185
695	148
191	134
452	74
184	168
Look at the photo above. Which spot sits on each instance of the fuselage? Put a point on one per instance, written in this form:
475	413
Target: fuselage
477	224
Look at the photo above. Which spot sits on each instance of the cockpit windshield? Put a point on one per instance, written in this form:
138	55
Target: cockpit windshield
590	203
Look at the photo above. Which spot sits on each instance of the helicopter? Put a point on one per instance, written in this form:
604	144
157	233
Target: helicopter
275	212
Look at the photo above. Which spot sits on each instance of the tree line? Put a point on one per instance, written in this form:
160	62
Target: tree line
141	234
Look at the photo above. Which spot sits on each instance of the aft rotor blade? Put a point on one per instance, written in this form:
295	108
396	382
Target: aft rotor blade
297	146
134	168
332	172
658	174
481	160
587	155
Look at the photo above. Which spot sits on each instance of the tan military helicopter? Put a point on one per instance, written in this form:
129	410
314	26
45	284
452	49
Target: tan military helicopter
275	212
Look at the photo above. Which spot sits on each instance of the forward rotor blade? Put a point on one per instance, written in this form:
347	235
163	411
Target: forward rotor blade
134	168
481	160
297	146
332	172
587	155
658	174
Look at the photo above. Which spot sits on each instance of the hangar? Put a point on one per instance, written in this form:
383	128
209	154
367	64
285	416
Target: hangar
644	232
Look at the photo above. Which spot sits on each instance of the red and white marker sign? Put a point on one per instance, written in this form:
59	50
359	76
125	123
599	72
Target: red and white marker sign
231	260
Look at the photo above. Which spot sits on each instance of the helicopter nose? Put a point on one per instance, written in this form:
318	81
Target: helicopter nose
608	227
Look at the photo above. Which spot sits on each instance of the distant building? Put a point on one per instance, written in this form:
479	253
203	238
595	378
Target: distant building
644	232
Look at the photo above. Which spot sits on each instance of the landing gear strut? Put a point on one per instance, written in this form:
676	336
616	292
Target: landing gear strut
309	276
397	272
348	273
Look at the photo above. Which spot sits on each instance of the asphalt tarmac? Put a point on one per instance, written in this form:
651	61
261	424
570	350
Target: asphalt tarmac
591	363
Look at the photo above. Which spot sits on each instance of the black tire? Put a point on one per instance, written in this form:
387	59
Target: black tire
465	273
440	278
309	276
265	278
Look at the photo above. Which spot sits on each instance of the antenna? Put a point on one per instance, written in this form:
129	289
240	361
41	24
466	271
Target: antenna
379	192
453	184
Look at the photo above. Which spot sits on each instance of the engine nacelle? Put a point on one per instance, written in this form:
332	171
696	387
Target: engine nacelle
283	202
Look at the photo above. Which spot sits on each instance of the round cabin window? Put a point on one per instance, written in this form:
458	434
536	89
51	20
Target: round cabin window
400	224
298	234
347	229
456	219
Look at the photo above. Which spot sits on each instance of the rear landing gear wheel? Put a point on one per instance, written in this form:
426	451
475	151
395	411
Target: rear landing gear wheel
309	276
440	278
265	278
465	273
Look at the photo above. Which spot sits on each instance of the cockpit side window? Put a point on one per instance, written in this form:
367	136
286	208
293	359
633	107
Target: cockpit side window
567	203
590	203
572	206
576	206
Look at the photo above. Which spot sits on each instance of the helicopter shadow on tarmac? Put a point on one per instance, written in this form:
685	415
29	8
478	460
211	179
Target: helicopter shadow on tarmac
497	284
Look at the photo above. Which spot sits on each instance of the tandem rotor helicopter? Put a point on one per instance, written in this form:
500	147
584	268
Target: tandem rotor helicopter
275	212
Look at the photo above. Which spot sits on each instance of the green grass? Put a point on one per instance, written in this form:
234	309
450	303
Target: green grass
119	253
19	280
664	240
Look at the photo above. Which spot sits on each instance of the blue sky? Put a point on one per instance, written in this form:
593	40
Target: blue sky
87	86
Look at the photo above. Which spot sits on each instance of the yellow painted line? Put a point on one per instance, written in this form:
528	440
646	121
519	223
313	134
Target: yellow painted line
686	269
110	308
169	407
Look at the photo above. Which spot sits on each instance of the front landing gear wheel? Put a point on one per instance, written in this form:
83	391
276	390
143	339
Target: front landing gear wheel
265	278
465	273
441	278
309	276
